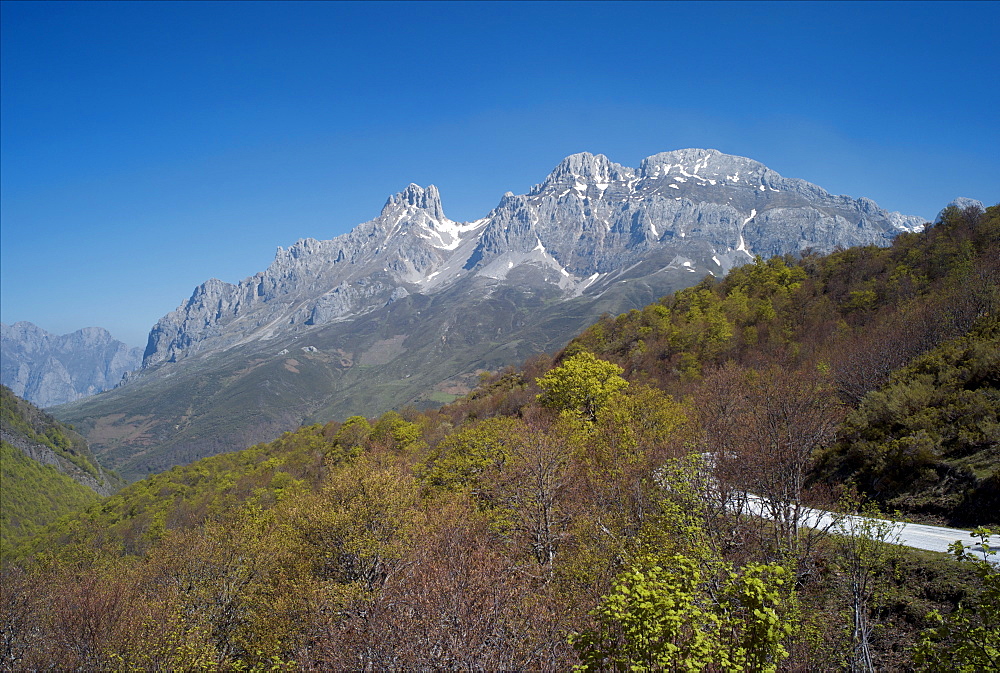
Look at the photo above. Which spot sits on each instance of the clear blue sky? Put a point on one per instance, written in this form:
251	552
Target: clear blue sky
149	146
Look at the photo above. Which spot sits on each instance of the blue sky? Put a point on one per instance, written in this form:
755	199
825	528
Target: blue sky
147	147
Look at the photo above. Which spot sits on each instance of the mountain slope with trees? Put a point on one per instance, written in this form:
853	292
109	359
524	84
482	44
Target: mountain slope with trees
47	470
907	334
558	514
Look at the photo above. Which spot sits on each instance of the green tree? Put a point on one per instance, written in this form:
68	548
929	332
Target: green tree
393	432
679	606
582	384
465	457
352	436
665	616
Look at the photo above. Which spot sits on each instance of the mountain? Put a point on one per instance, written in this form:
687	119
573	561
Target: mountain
961	203
410	306
583	229
909	336
47	369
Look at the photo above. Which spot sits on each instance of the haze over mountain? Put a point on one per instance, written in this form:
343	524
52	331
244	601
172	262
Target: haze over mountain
408	307
47	369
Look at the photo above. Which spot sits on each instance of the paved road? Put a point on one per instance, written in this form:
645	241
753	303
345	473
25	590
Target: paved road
918	536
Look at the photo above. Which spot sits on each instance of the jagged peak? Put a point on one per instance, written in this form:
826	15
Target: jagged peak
212	286
903	222
94	333
416	197
510	202
25	326
301	247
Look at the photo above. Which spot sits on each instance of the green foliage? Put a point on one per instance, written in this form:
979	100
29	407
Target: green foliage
395	433
936	422
352	435
360	522
35	425
923	444
582	384
141	514
468	456
680	605
33	496
667	615
968	639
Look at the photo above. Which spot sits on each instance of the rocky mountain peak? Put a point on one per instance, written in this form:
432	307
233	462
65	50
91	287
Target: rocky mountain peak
25	332
590	224
961	203
704	164
577	171
415	197
384	313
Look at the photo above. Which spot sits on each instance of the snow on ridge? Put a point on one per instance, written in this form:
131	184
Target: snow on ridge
742	247
449	233
909	223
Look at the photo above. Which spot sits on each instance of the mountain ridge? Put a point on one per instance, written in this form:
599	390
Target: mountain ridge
410	307
48	369
413	247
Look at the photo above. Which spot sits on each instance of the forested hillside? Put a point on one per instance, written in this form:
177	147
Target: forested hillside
46	471
905	338
588	508
33	495
23	419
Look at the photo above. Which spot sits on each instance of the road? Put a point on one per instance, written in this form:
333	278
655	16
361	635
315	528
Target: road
918	536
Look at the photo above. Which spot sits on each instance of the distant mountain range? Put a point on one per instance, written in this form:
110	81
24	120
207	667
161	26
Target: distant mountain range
408	307
47	369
